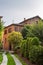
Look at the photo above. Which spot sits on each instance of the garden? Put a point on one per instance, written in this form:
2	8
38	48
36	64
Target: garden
27	45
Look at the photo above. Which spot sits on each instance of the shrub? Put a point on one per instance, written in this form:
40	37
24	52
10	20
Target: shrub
26	30
37	30
35	41
1	46
34	30
1	29
36	55
23	47
28	46
31	41
17	48
15	38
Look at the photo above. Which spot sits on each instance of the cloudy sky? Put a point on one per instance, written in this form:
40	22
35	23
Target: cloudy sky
16	10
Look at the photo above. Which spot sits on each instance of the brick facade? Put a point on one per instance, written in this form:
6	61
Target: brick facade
7	30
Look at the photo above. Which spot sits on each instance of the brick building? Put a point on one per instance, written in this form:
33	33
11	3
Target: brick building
7	30
18	28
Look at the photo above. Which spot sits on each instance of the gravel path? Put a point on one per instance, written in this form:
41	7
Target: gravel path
16	60
4	62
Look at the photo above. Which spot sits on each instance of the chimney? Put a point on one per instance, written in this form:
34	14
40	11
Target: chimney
24	19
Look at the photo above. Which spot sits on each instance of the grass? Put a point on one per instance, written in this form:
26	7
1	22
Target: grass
1	58
10	60
23	63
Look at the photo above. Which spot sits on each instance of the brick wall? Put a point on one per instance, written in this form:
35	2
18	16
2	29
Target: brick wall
8	30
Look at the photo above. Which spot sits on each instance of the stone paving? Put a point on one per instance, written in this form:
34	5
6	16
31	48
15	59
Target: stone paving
4	62
16	60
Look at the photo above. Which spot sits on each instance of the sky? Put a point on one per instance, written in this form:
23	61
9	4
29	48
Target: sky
14	11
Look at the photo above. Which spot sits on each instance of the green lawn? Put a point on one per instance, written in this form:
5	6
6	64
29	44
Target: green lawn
23	63
10	60
1	58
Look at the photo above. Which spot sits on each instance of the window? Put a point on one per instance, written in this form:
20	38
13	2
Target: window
37	22
9	30
16	28
5	32
26	23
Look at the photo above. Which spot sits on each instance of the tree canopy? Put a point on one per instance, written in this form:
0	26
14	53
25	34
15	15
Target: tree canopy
34	30
1	29
15	38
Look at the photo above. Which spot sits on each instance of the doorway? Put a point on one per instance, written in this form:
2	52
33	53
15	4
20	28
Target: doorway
10	47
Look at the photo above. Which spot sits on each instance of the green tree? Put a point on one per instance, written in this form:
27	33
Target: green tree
23	48
35	41
36	55
1	26
15	38
28	46
25	31
37	30
1	32
33	30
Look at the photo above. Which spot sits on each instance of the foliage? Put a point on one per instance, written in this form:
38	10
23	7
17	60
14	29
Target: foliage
15	38
34	30
1	58
37	30
0	43
23	47
1	27
28	46
35	41
36	55
0	46
1	32
17	47
31	47
31	41
26	30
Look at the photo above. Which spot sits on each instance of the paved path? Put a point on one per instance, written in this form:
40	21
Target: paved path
4	62
16	60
